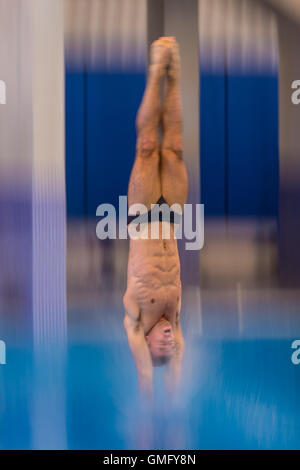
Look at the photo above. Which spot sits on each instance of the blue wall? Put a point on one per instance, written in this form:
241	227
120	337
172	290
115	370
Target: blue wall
239	140
239	144
100	136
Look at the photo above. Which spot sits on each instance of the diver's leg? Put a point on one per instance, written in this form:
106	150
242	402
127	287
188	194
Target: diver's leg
145	184
174	179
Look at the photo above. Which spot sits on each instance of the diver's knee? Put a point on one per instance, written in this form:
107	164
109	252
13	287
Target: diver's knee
147	147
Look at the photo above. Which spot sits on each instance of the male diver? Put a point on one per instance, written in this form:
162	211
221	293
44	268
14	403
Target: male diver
152	300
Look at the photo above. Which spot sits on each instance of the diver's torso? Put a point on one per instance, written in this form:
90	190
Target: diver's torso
153	279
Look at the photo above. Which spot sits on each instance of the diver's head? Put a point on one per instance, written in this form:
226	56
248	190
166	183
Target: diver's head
161	342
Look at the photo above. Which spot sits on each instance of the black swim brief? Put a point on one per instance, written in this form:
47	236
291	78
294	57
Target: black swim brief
155	215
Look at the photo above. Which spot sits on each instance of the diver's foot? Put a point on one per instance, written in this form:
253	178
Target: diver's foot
173	70
160	56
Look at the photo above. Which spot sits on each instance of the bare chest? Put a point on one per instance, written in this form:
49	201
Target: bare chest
154	281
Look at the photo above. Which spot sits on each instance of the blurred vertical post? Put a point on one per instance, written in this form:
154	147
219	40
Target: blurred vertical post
48	165
181	21
155	22
32	199
15	167
32	164
289	124
48	222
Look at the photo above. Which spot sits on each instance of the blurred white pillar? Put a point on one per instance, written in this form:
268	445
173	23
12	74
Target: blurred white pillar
48	222
48	172
32	168
32	197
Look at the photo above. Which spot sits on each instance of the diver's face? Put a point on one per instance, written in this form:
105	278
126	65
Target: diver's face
161	339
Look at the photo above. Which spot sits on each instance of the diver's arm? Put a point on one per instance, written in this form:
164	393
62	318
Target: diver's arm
138	346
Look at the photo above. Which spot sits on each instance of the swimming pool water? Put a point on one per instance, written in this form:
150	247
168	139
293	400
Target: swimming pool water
235	394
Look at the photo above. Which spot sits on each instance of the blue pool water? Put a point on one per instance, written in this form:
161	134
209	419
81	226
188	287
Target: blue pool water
235	394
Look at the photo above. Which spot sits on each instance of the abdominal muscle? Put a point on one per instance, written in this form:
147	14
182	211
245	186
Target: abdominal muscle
154	279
